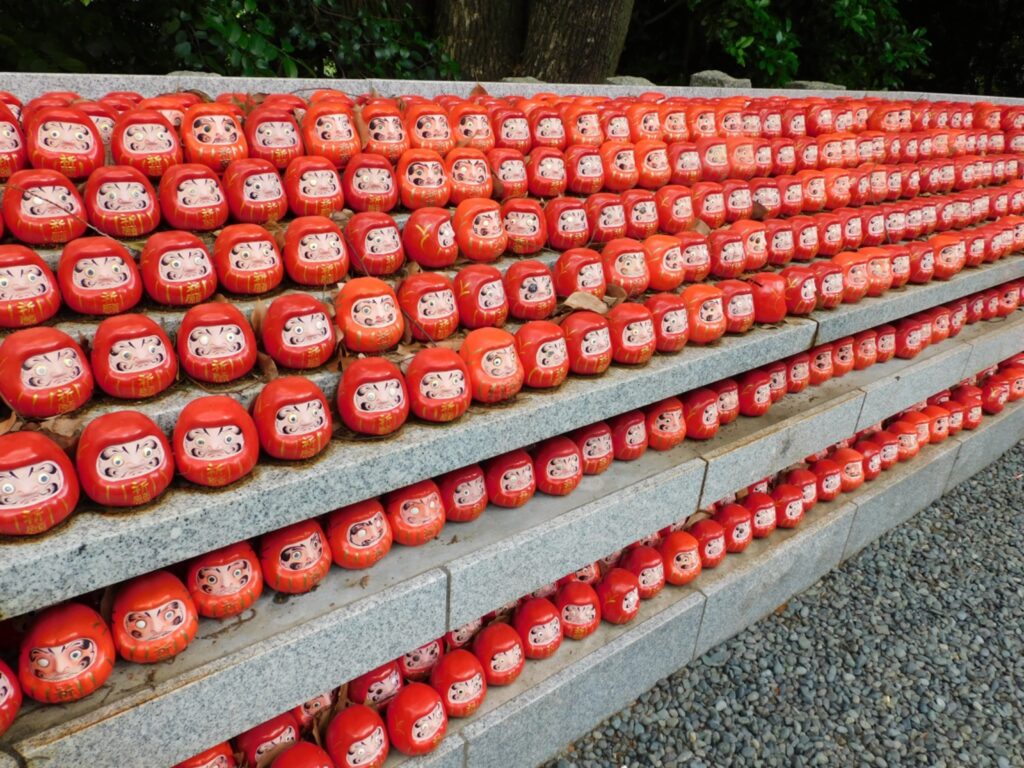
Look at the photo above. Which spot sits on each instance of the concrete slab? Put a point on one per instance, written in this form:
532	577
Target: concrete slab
849	319
561	698
272	658
752	448
519	550
996	435
749	586
96	549
899	494
1003	339
450	753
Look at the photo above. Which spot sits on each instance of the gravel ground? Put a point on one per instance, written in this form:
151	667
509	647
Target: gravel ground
910	654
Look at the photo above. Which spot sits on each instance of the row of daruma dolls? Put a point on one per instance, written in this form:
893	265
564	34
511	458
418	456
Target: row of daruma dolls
98	276
297	558
121	201
68	651
68	134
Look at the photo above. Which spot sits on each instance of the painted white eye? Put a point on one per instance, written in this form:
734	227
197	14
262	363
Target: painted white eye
147	452
69	362
153	349
204	339
40	370
44	479
292	418
44	663
140	624
298	330
229	336
201	441
229	439
126	355
7	488
3	282
117	461
31	278
116	269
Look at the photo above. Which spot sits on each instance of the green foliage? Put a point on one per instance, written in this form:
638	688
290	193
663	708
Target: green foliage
286	38
757	39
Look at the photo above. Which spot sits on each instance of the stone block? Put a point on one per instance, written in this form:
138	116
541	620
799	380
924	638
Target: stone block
899	494
245	670
749	586
714	78
561	698
750	449
1002	339
996	435
517	551
814	85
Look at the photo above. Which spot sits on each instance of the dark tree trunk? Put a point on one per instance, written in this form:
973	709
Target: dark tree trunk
574	41
483	36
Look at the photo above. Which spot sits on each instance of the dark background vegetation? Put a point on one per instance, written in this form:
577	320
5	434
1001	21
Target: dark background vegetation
956	46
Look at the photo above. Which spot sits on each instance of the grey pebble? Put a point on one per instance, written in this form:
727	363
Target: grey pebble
910	653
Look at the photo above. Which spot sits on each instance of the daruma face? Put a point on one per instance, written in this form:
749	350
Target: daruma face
28	290
292	418
296	558
48	209
38	484
64	140
372	397
43	373
366	310
215	441
154	618
226	582
66	655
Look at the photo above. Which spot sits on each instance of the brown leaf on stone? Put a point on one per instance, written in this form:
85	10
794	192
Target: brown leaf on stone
588	301
759	213
203	95
700	514
364	582
220	298
699	226
107	603
10	424
411	268
615	295
478	90
259	312
361	128
342	217
267	366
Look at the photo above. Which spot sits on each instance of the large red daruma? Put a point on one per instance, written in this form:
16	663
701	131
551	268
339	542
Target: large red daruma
66	655
428	301
566	223
542	351
422	180
145	140
438	384
314	251
254	191
296	558
416	513
328	130
41	207
313	187
470	176
216	343
132	357
176	269
298	331
273	135
121	202
13	156
366	311
508	170
588	339
215	441
359	534
579	269
293	418
369	183
65	140
98	276
28	289
479	230
154	618
706	313
38	484
385	134
191	198
495	371
429	238
247	259
212	136
625	265
375	246
606	217
43	373
428	126
372	397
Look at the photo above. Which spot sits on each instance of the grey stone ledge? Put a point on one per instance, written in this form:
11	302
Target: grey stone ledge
980	447
1004	340
97	549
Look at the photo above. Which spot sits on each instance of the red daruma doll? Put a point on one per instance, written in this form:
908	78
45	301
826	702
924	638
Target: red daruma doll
98	276
366	311
500	651
298	332
259	744
429	238
416	719
422	180
459	678
273	135
464	493
121	202
212	136
531	290
479	231
247	259
557	466
43	373
328	130
216	343
495	371
369	184
542	350
438	383
65	140
10	697
359	534
509	479
145	140
293	419
124	460
356	738
28	289
428	301
176	269
191	197
132	357
579	609
226	582
313	187
416	513
374	244
38	485
295	559
525	225
372	397
154	618
314	251
66	655
215	441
